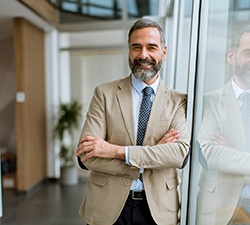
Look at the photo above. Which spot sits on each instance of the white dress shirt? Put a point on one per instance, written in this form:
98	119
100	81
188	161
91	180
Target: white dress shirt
137	87
238	91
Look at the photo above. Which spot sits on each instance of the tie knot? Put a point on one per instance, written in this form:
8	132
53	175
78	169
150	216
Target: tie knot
245	97
148	90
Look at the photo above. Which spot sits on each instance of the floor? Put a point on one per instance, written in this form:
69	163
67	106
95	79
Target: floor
53	204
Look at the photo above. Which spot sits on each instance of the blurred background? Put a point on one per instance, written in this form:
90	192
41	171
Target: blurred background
55	52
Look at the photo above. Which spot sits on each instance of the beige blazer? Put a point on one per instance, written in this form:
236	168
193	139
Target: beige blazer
223	168
110	117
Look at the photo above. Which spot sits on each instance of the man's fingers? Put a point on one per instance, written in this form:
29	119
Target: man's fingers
84	147
170	137
87	156
86	138
219	139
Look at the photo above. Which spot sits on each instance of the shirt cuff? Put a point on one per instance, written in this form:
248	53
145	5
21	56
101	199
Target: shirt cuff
127	155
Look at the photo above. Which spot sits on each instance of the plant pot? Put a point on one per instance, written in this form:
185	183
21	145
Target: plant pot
69	175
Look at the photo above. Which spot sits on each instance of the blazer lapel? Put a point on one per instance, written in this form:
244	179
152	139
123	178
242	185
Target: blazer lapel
157	109
125	101
231	104
233	110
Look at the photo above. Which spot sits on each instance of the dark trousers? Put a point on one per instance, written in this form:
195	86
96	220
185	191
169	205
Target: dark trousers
135	212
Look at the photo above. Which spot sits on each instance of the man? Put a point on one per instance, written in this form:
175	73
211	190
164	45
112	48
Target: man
225	150
135	181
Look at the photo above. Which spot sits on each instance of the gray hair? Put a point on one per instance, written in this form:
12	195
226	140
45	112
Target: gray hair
237	38
143	23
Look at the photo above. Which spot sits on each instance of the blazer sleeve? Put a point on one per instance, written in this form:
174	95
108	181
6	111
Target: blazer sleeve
221	114
169	155
96	125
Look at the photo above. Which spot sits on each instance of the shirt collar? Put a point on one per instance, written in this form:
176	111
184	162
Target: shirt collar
237	90
139	85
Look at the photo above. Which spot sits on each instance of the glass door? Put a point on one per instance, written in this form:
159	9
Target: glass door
219	185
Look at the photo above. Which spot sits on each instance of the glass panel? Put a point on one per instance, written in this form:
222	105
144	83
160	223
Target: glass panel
220	148
68	6
140	8
101	9
106	3
242	4
86	10
95	11
183	46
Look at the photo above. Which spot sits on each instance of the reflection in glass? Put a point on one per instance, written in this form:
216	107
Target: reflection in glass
224	138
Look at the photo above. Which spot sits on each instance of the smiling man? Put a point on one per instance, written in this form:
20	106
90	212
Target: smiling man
224	137
134	138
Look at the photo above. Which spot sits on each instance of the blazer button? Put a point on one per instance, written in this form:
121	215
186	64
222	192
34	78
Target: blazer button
127	183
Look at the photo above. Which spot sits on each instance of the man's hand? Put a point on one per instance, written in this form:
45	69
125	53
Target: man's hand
97	147
170	137
219	139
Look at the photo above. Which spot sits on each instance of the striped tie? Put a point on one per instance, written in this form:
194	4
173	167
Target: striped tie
245	111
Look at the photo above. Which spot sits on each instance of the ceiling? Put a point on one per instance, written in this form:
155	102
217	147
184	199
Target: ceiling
10	9
76	33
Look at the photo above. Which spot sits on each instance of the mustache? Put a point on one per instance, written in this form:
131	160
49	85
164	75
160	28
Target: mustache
241	70
143	62
246	67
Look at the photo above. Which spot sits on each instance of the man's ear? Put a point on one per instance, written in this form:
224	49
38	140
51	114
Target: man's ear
165	53
230	56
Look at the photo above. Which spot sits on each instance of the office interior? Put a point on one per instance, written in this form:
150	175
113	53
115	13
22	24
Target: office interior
56	51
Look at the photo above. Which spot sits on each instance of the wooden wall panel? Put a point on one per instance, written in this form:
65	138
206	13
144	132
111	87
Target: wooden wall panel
43	8
30	114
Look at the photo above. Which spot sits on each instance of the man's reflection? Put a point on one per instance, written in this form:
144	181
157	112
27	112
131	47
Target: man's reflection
223	138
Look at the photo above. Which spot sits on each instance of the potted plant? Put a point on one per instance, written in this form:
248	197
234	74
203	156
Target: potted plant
68	118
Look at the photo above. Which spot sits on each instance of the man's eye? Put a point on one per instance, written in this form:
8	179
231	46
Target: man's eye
135	48
152	48
246	53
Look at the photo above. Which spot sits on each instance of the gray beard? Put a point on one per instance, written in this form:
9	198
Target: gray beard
144	74
243	73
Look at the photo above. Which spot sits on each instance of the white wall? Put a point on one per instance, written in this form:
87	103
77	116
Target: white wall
88	59
91	68
52	100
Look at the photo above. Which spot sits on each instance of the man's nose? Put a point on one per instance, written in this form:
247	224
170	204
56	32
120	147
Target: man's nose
144	53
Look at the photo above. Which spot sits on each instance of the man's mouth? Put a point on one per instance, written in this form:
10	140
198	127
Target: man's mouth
247	68
144	65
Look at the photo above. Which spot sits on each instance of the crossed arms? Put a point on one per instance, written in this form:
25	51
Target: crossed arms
92	146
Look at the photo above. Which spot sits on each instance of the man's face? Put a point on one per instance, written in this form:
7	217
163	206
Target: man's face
146	53
241	61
